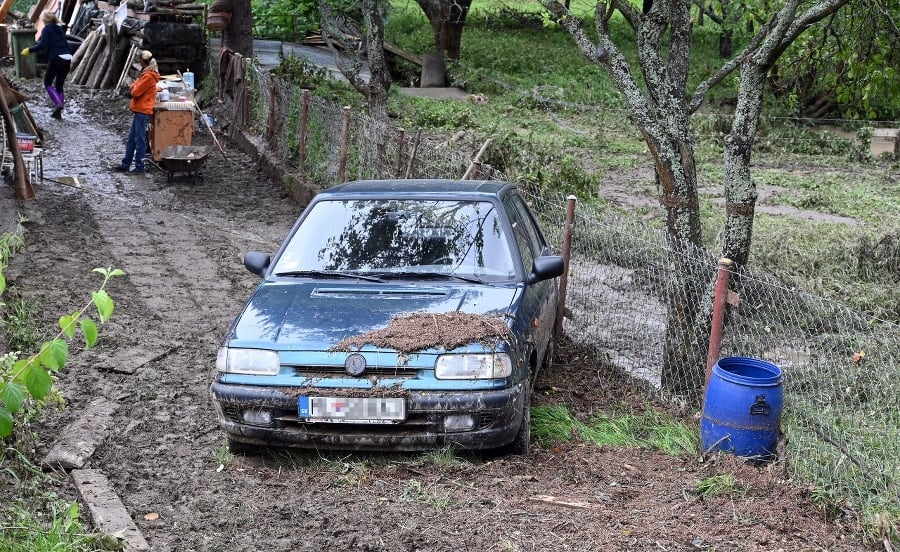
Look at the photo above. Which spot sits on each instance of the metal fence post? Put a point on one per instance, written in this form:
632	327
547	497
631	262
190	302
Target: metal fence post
566	255
718	316
345	144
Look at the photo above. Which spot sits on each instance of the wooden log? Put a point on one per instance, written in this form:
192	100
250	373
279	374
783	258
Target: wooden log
90	60
98	72
87	58
82	50
21	185
89	65
117	61
126	65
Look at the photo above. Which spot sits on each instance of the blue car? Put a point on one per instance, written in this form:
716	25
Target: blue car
352	339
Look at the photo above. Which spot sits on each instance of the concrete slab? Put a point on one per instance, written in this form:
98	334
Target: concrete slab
80	438
128	361
107	511
438	93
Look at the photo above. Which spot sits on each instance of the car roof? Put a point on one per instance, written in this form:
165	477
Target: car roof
418	188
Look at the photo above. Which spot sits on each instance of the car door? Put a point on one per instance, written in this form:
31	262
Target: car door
540	299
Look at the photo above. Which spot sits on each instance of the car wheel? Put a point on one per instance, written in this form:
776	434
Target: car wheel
522	443
242	448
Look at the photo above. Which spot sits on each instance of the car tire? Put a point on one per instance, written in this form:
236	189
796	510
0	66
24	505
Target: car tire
522	443
242	448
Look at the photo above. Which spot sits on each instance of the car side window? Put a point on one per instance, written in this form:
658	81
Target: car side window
535	237
520	233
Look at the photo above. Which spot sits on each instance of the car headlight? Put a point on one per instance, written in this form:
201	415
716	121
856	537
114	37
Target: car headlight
258	362
473	366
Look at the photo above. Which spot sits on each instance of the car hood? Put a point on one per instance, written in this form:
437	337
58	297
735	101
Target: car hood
310	316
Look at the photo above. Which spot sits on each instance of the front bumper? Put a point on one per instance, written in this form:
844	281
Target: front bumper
497	415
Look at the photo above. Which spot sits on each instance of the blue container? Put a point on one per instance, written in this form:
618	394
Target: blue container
742	408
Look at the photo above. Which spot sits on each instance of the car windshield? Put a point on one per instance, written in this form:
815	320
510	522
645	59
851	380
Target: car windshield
401	238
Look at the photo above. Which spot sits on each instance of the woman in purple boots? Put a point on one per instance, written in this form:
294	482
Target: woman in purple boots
59	59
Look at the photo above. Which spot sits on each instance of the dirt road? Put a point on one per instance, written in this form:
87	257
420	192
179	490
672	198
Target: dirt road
181	244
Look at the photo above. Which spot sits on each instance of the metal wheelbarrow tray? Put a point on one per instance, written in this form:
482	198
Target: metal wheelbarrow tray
189	159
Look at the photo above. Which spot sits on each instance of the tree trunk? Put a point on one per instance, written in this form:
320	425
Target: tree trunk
740	191
238	35
380	81
447	18
684	351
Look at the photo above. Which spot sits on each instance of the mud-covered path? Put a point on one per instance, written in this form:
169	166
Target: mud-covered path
181	244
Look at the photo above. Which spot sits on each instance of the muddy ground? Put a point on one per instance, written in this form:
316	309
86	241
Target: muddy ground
181	244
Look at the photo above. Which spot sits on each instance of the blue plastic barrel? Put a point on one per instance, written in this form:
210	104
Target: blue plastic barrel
742	408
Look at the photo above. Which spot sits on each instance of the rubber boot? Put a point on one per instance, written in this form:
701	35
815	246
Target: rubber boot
58	101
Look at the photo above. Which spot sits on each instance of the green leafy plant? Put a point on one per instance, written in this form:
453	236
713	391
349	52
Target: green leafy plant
284	19
18	322
32	377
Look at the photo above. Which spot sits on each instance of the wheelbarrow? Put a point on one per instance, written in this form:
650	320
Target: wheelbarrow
189	159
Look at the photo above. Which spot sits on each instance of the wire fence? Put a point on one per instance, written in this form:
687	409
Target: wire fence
627	293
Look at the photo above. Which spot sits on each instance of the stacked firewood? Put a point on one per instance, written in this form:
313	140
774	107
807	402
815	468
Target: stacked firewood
103	57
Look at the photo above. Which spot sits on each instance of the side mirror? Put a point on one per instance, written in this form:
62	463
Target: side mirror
546	267
257	262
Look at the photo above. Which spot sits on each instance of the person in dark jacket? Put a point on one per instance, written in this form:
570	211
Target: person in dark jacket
59	59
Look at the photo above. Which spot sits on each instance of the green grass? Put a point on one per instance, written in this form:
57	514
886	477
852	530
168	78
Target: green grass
36	519
651	430
720	485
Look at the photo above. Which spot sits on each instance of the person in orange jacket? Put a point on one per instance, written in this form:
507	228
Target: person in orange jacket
143	97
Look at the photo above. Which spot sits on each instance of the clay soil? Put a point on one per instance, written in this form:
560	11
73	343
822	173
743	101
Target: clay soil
181	242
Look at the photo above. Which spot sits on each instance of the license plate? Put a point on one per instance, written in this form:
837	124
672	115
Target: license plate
351	409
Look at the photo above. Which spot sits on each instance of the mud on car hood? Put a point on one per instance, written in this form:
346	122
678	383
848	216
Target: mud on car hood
312	316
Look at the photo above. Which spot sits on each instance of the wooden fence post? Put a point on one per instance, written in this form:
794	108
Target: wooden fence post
304	127
345	144
412	154
273	97
566	255
401	146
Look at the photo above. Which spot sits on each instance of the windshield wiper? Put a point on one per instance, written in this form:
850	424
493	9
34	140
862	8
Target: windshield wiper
431	276
330	274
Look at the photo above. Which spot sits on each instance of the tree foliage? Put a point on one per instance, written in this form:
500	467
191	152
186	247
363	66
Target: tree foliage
849	66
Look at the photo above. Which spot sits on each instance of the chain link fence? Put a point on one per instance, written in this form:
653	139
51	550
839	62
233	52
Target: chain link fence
627	291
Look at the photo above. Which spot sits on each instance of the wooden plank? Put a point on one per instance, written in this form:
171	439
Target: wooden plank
107	511
80	438
568	503
35	13
405	54
4	9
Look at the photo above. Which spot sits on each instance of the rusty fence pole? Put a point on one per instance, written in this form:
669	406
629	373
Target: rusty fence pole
304	128
720	297
401	146
345	144
566	255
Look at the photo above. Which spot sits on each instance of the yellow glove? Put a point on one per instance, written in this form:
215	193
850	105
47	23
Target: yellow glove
26	51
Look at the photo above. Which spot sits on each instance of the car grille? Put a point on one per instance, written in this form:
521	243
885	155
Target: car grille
320	371
289	418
